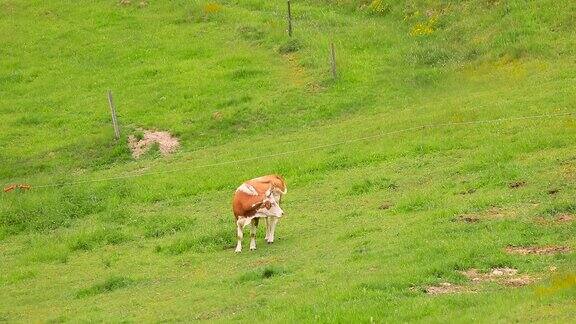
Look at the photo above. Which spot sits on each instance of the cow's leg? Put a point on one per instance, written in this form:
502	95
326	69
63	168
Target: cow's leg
253	228
268	226
239	233
273	222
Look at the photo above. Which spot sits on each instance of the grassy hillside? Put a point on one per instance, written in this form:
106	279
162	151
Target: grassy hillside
369	224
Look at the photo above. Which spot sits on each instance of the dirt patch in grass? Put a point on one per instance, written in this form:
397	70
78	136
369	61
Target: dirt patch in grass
516	184
540	250
445	288
568	169
262	273
297	73
564	218
519	281
505	276
385	205
558	219
467	191
553	191
314	87
491	213
499	213
141	144
467	218
217	115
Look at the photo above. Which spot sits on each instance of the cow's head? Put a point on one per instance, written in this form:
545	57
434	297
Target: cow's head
270	205
278	189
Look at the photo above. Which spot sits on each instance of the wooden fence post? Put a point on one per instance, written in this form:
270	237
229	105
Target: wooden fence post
289	19
333	60
114	118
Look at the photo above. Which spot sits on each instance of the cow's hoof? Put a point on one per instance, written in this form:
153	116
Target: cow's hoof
253	249
237	251
269	242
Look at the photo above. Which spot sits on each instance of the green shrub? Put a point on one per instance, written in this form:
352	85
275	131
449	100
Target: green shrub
290	46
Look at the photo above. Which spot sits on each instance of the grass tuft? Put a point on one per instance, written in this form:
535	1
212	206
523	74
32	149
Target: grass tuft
262	273
88	240
199	243
111	284
292	45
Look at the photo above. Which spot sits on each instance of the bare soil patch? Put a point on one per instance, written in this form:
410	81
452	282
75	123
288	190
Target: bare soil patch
492	213
516	184
217	115
500	213
504	276
467	191
166	143
540	250
558	219
445	288
467	218
494	274
519	281
385	205
553	191
564	218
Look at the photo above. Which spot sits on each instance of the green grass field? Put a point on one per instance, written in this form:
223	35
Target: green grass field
369	224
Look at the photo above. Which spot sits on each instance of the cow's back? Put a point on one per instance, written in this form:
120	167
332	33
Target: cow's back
244	199
275	180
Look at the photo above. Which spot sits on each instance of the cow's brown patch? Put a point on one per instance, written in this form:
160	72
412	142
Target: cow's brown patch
445	288
540	250
516	184
166	143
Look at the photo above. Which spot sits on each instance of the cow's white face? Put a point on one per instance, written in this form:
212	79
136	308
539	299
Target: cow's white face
278	194
271	205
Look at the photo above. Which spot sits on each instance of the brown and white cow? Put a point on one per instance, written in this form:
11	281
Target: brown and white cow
255	199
